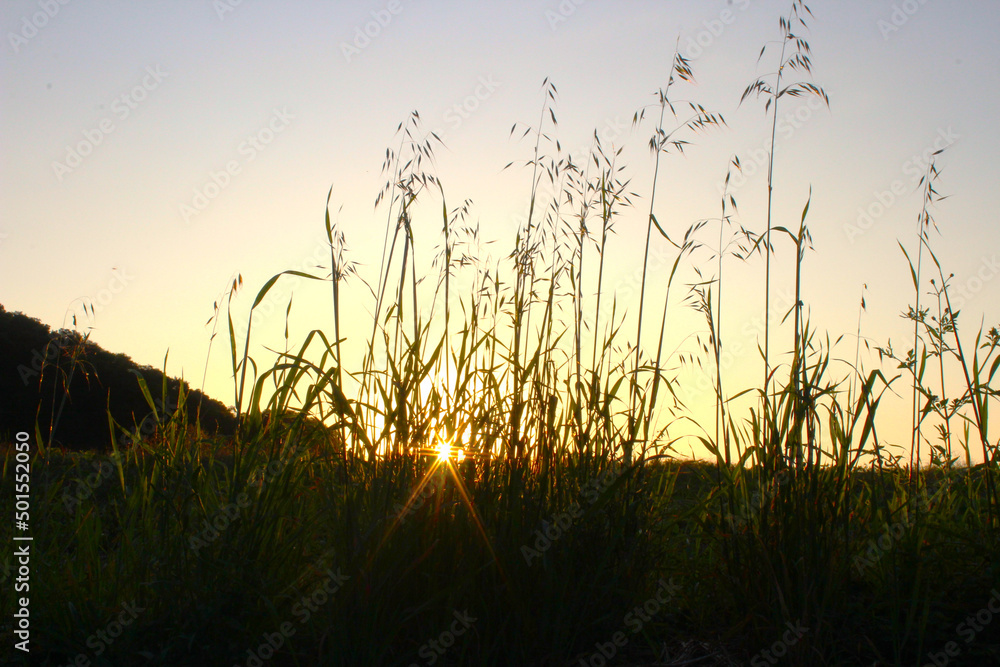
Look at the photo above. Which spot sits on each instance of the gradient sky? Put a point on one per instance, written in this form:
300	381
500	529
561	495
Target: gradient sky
162	96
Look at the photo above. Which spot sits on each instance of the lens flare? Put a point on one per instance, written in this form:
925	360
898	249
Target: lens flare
444	450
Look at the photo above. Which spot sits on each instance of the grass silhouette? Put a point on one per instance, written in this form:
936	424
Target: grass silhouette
485	488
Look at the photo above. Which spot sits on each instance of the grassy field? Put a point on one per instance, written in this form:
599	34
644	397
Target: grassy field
494	482
185	557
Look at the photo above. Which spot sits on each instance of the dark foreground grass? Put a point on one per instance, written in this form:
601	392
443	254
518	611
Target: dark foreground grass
493	482
168	558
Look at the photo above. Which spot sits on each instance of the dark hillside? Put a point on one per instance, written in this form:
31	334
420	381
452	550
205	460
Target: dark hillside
69	383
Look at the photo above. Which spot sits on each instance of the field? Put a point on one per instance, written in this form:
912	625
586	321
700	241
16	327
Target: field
496	482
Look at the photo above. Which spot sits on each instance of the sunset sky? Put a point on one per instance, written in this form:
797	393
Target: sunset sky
152	151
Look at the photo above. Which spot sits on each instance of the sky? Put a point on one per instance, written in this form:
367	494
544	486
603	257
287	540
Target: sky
153	151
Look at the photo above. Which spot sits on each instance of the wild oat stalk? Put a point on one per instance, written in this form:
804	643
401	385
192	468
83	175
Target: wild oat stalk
406	180
862	307
917	359
737	247
661	143
523	255
798	59
612	194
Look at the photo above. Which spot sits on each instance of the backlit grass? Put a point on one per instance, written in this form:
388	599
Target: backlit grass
496	482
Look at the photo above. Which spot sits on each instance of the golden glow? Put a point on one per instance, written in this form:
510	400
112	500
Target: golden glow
448	449
444	450
444	464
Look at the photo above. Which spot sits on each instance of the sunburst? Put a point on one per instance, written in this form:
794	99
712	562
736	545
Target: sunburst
446	456
446	451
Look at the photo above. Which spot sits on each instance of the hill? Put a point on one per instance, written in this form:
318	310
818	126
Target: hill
68	384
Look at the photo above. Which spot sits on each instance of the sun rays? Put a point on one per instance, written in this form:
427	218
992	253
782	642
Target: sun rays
446	450
446	453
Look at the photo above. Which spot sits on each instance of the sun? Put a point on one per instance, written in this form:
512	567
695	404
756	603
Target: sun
446	451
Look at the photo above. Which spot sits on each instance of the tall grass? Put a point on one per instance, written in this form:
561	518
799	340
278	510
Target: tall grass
481	458
794	54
